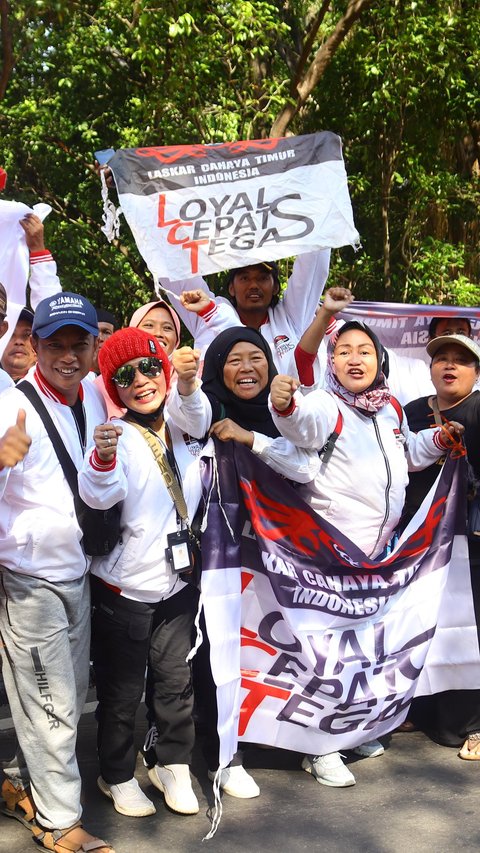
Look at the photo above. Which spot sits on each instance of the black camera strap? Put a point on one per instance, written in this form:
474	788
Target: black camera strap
61	451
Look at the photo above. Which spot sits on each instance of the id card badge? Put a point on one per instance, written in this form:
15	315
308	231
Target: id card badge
178	552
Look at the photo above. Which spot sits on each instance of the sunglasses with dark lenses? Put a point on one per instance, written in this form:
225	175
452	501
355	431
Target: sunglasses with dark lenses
147	366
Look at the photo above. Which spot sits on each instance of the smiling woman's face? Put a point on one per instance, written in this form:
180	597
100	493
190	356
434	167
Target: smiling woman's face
355	361
245	371
159	322
146	393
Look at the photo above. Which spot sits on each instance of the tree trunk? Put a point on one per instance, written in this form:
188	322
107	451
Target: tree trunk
308	80
7	48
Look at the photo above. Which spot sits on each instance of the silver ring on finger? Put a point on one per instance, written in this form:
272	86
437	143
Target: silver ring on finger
109	442
105	435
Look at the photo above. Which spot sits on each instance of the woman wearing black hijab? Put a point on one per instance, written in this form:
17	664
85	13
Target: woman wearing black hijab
237	373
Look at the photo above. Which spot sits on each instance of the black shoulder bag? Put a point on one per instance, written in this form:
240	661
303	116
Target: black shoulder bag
101	527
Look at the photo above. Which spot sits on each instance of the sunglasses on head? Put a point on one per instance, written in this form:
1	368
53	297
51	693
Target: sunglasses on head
147	366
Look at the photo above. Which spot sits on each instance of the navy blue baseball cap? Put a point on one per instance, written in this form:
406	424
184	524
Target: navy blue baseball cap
26	314
64	309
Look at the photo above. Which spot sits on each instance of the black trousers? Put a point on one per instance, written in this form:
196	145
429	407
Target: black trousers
205	693
125	635
450	717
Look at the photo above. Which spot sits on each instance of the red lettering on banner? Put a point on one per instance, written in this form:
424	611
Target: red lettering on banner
174	225
255	696
193	245
162	222
172	234
249	638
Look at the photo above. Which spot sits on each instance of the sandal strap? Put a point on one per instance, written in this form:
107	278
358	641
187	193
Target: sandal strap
48	838
57	840
475	737
14	796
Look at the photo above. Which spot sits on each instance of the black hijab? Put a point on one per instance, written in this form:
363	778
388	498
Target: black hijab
250	414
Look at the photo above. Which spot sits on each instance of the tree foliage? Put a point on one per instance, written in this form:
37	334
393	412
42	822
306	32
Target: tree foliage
397	80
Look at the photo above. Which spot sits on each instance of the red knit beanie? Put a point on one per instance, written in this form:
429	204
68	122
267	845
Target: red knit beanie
123	346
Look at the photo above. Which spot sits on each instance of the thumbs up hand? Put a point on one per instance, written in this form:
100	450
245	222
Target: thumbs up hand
15	443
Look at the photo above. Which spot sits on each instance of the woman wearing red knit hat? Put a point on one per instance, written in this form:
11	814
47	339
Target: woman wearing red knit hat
158	319
143	607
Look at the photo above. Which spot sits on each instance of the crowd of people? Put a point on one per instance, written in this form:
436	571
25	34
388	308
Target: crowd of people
134	411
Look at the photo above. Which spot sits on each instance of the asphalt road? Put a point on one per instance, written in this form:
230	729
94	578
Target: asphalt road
418	797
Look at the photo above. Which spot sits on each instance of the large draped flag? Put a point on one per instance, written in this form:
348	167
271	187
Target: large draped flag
315	647
199	209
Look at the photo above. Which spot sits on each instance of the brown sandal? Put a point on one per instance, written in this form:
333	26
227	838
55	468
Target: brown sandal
59	840
471	748
407	726
18	804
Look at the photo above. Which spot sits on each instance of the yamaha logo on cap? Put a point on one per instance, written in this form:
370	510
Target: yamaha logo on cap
64	309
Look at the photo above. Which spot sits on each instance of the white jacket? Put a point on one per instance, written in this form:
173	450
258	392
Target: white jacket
43	280
137	565
286	321
39	532
409	378
361	489
194	413
6	380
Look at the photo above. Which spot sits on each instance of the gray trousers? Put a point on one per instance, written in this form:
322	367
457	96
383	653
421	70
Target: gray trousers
45	630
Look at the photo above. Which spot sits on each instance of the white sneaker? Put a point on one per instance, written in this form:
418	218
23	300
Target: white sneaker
173	780
329	770
237	782
128	798
370	749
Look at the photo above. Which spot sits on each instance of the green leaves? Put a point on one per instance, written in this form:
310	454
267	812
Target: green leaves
182	26
402	91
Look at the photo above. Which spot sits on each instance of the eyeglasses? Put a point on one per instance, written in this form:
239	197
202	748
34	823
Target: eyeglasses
147	366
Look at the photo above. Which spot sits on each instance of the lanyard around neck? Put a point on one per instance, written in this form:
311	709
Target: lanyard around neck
158	445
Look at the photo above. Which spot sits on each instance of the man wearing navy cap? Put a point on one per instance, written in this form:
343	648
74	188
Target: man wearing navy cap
44	593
